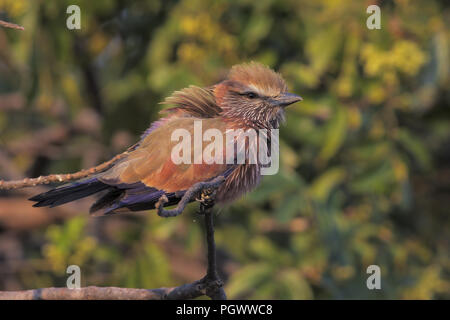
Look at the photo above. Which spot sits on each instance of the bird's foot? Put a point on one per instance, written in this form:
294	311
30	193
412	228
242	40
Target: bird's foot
207	197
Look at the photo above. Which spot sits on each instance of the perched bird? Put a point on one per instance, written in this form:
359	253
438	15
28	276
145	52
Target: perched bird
251	97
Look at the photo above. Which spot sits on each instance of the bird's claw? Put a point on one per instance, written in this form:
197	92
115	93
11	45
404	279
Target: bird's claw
207	197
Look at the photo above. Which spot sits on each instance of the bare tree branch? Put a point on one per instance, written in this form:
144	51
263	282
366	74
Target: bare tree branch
186	291
11	25
216	291
31	182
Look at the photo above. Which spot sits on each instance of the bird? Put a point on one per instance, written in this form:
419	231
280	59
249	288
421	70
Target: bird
251	96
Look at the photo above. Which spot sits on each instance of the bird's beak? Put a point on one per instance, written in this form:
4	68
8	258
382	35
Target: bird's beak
286	99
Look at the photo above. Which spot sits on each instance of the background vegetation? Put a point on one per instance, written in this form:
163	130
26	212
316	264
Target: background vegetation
365	172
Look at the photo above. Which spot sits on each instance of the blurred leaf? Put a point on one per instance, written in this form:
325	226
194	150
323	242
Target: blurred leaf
335	135
321	188
248	279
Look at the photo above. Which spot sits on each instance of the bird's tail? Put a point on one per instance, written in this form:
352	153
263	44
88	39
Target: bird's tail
69	192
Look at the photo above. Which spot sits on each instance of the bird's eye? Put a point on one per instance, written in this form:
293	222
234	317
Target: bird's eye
251	95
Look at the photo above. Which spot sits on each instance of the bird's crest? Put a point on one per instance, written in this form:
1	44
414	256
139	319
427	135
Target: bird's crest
261	78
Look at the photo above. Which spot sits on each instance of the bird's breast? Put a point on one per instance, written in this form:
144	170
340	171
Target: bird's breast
243	179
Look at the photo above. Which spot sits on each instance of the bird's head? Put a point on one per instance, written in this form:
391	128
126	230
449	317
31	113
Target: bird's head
254	94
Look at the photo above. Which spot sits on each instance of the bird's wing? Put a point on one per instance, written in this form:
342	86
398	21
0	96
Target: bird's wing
151	163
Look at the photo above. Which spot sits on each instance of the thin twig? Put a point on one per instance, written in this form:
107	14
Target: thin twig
32	182
216	291
11	25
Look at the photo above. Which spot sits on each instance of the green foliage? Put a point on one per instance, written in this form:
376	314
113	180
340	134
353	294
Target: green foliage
364	158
